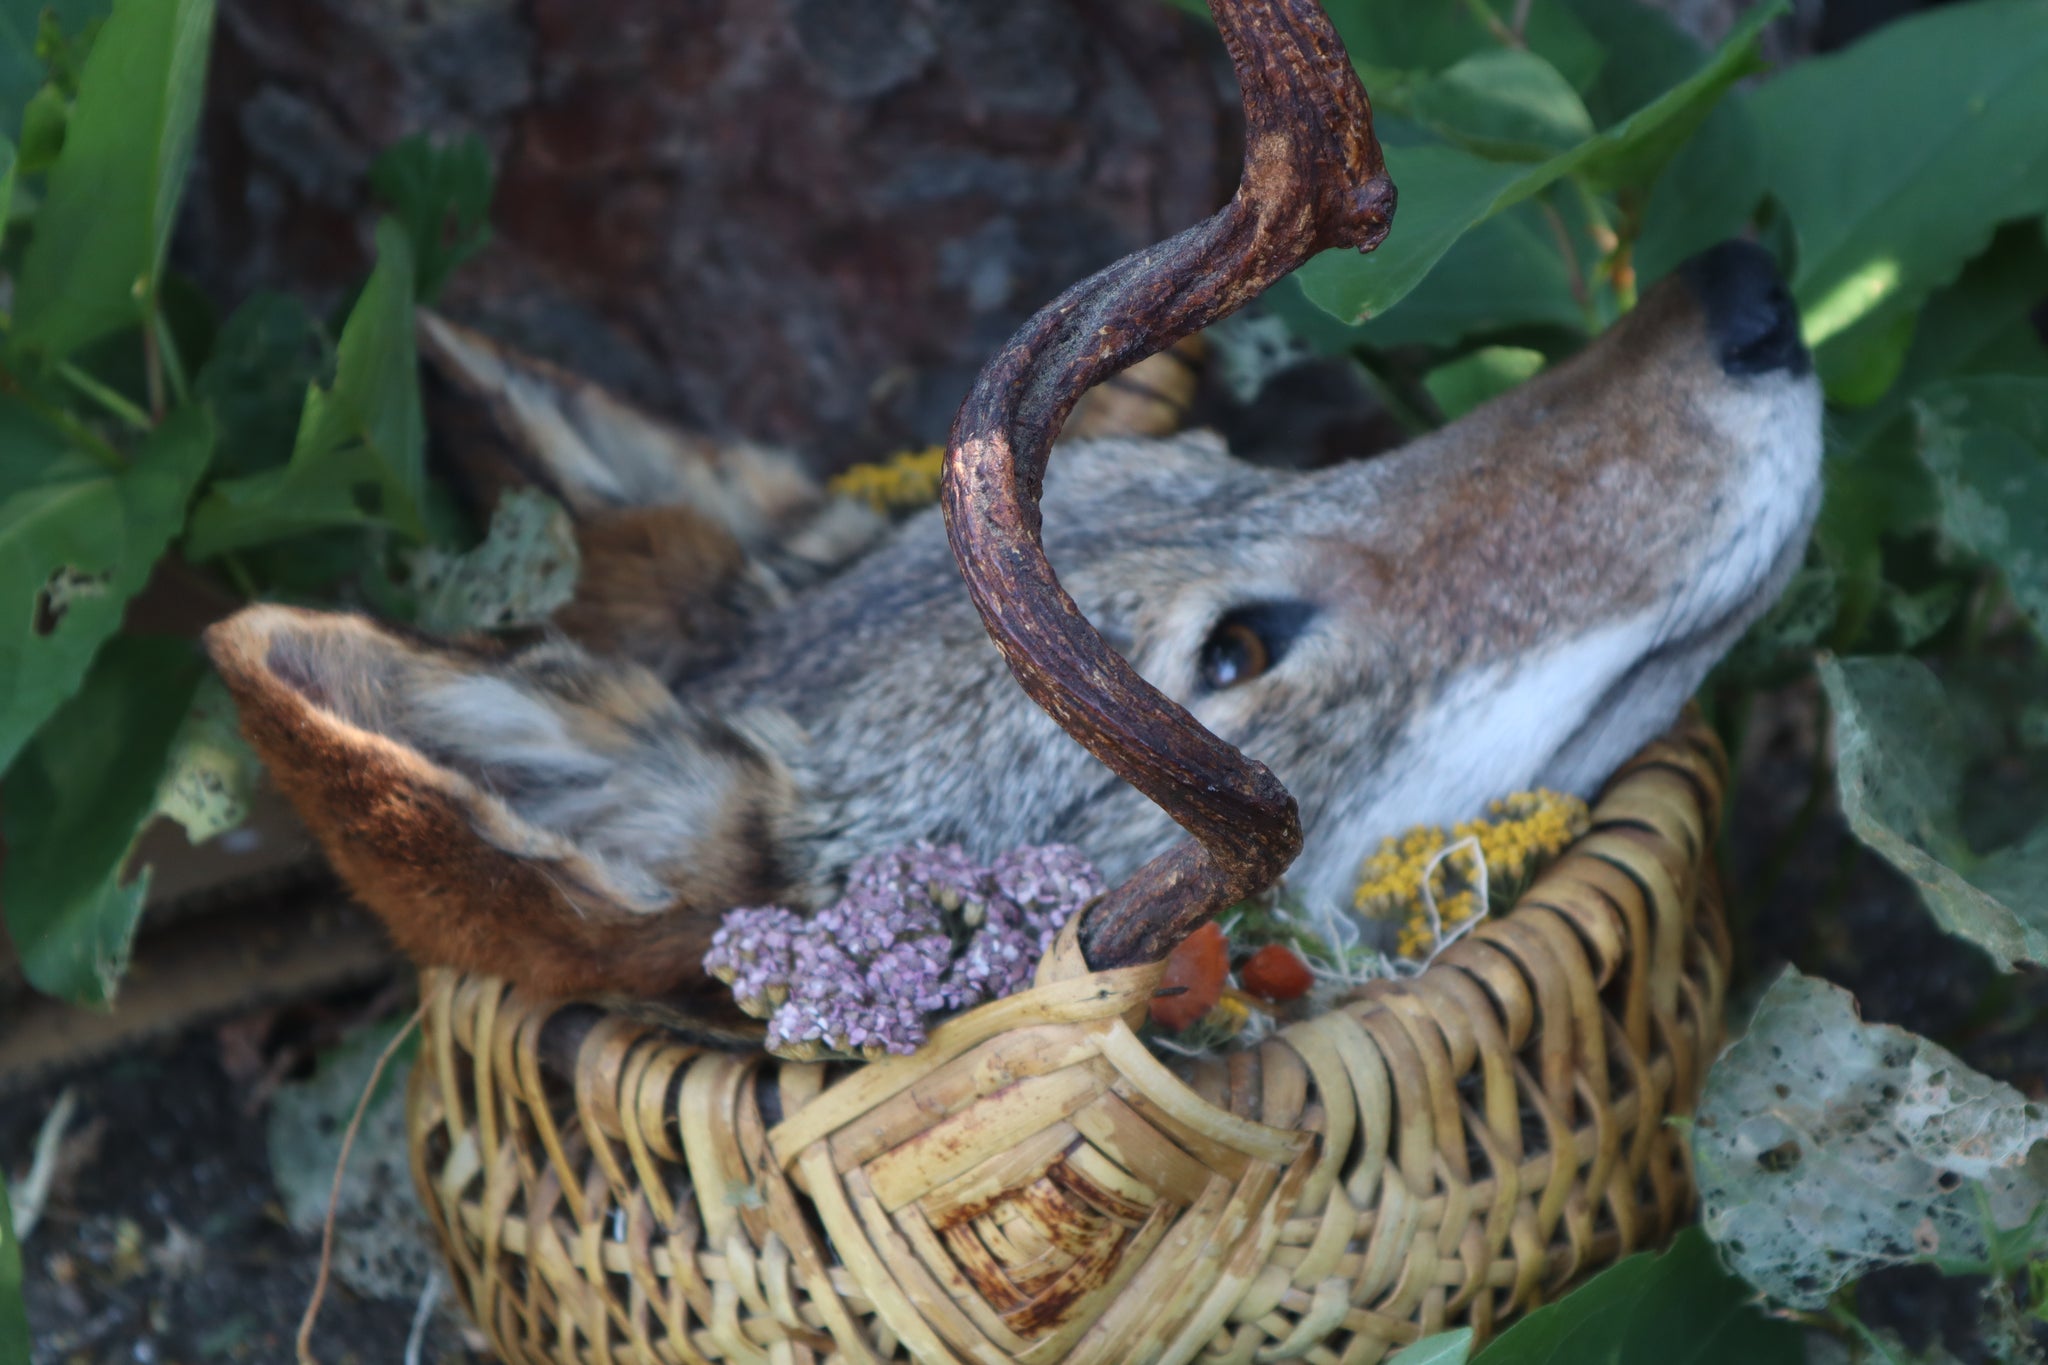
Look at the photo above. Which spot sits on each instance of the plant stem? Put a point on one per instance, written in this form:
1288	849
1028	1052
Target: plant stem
1869	1338
1574	275
153	366
107	397
174	363
245	582
1502	34
83	436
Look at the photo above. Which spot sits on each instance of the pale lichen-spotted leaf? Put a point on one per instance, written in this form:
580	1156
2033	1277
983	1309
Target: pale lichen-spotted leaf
359	456
1680	1308
211	769
525	568
1889	196
77	540
1446	191
72	808
111	199
1827	1148
1899	769
383	1247
1985	440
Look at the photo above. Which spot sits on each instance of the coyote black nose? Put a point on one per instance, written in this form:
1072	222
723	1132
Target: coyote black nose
1751	319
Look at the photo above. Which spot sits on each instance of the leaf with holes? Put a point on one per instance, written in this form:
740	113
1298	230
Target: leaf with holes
359	456
524	570
1680	1308
211	769
72	808
1828	1148
1899	767
75	544
96	260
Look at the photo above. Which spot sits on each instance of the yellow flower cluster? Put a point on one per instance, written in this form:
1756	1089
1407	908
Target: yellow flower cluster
905	481
1519	834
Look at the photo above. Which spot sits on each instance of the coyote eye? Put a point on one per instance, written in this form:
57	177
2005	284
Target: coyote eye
1249	640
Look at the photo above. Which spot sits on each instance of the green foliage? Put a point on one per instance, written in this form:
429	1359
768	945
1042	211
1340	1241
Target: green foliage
133	429
72	808
13	1313
1827	1148
1449	188
358	458
1680	1308
440	195
95	262
1444	1348
524	570
77	540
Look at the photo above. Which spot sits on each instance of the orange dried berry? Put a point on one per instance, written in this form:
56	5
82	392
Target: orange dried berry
1276	972
1199	964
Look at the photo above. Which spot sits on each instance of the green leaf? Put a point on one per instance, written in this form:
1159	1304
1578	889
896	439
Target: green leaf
441	195
524	570
1827	1148
1486	373
1706	194
74	806
105	223
358	457
1400	35
43	125
1505	103
22	69
1896	158
1446	192
13	1311
268	354
1680	1308
1900	758
1443	1348
76	542
1985	440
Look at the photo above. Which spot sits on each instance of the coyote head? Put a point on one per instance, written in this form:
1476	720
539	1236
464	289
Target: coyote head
771	683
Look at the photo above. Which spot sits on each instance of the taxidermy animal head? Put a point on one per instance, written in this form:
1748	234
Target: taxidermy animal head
758	683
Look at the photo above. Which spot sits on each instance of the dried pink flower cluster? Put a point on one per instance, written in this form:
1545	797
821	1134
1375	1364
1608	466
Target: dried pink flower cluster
919	931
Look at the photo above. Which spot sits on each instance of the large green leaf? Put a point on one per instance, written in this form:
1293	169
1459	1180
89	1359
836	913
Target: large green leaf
13	1312
93	266
1900	759
1442	1348
72	808
358	457
1680	1308
1446	192
1827	1148
76	542
1985	440
1896	158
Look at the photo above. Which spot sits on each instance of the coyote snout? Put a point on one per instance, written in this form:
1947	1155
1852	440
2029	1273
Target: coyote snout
1519	599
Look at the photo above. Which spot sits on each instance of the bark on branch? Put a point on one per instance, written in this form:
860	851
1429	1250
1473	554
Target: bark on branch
1313	179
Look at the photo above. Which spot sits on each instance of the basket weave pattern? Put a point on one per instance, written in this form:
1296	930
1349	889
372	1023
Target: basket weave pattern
1034	1185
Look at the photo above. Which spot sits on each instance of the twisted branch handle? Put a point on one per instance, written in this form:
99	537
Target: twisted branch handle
1313	179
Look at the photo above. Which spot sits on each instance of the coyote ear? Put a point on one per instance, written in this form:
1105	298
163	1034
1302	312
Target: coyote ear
534	815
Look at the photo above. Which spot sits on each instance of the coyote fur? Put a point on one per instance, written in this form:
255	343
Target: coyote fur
759	683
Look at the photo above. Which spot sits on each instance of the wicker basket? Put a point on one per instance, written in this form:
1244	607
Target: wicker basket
1035	1185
